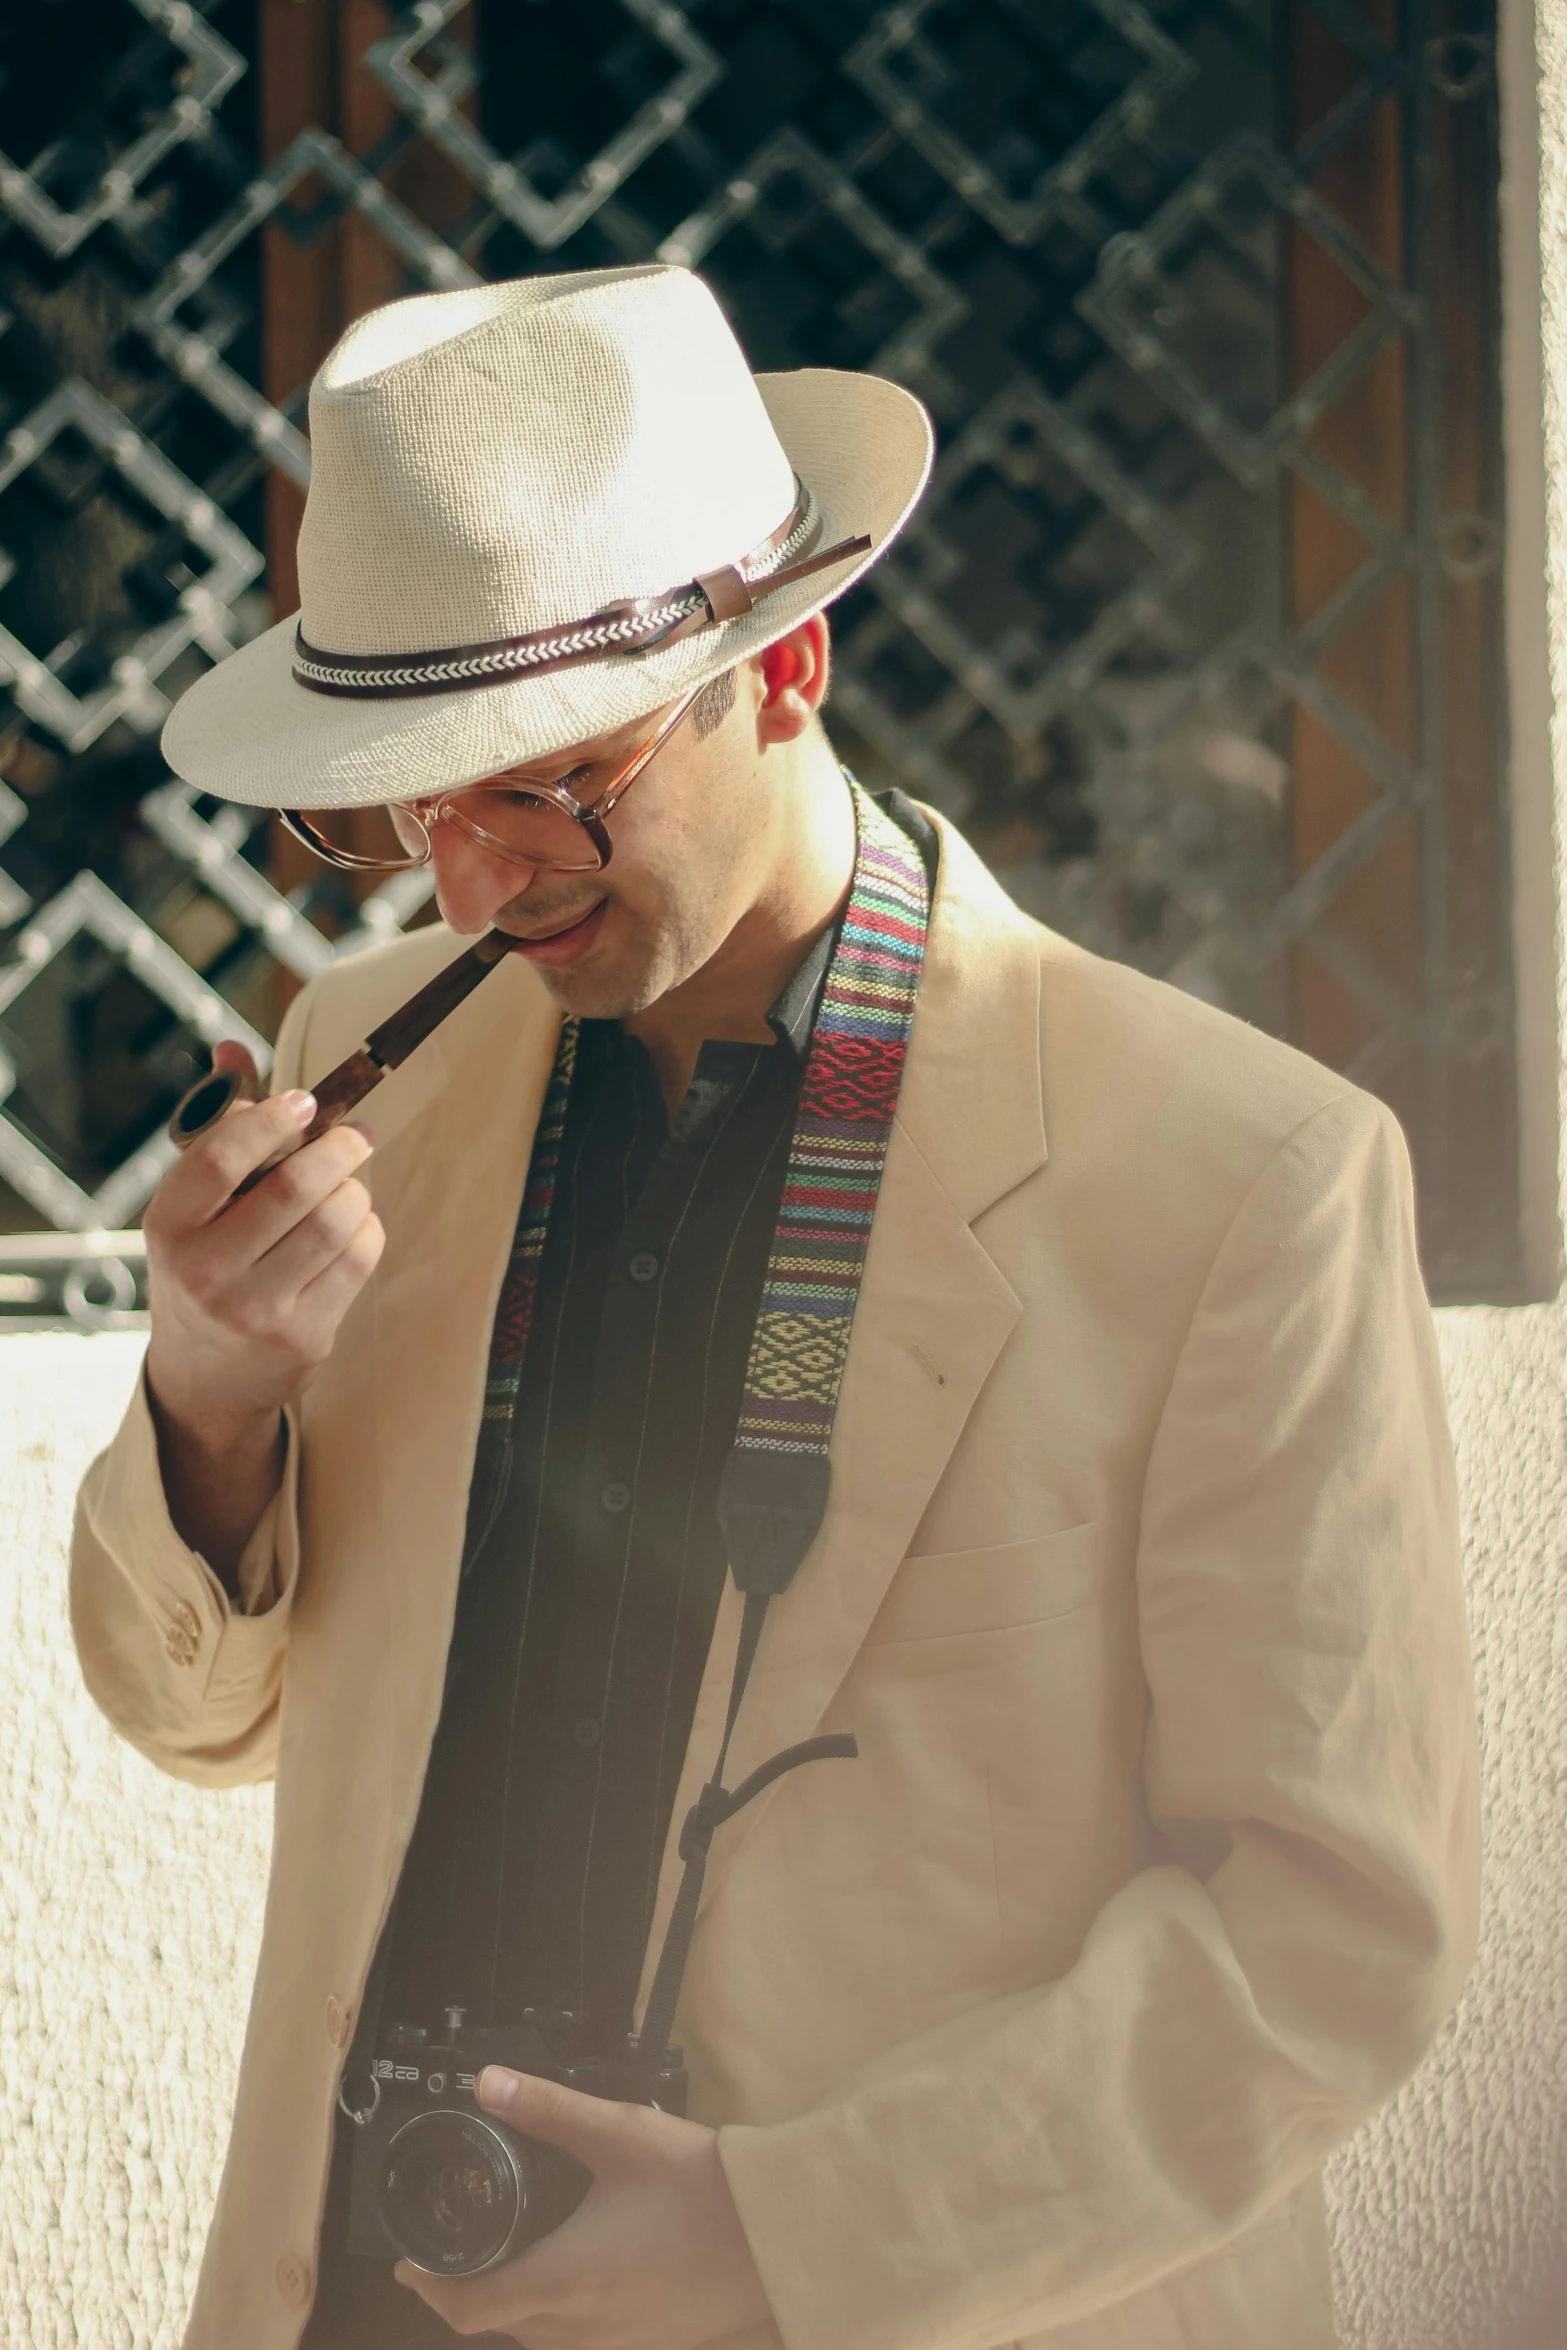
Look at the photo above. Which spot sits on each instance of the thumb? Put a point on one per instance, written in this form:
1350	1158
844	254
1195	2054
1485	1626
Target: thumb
229	1053
601	2134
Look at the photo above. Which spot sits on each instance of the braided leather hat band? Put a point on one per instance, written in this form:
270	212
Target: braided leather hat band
787	554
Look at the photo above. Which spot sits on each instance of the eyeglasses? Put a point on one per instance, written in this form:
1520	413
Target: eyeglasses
533	824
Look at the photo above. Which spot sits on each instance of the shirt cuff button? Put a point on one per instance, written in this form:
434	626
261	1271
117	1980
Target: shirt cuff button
293	2279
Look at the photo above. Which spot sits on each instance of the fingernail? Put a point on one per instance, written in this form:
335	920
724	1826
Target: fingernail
302	1106
495	2086
356	1126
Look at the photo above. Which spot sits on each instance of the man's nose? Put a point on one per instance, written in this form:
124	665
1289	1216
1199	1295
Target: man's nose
471	883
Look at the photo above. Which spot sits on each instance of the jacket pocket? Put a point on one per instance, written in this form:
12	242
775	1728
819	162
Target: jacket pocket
1010	1583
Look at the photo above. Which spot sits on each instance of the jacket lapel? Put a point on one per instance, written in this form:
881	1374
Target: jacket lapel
455	1175
933	1314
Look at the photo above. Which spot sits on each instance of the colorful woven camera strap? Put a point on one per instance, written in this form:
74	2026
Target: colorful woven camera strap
773	1493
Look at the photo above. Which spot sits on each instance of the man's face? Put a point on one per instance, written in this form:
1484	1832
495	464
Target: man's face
692	842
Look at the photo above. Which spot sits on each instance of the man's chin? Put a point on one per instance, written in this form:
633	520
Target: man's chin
583	966
626	971
598	995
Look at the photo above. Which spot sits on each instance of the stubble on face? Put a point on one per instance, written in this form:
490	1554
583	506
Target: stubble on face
674	890
631	964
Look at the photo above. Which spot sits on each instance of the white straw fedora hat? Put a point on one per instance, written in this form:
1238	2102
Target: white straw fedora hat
538	510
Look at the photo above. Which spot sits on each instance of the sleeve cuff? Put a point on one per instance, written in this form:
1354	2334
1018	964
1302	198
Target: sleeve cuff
195	1615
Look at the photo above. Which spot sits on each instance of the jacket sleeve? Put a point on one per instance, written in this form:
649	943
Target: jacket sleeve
1310	1910
188	1676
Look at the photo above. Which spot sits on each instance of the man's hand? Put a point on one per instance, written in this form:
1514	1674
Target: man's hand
655	2259
246	1296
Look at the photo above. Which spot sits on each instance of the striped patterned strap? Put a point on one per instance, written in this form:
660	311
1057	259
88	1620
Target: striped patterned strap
774	1488
520	1289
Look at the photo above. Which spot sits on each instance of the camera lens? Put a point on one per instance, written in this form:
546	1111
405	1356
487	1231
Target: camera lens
451	2193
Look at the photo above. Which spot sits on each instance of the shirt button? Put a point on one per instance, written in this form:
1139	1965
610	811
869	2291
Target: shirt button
293	2278
179	1645
336	2022
586	1732
187	1619
615	1498
643	1266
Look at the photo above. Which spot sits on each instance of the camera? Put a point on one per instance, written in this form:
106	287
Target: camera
438	2181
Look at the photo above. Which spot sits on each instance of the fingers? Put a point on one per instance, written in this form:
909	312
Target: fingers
332	1253
320	1234
599	2132
288	1194
249	1226
289	1303
229	1053
248	1289
311	1314
299	1219
496	2303
201	1183
244	1262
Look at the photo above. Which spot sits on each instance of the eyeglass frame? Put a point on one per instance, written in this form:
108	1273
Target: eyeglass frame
591	817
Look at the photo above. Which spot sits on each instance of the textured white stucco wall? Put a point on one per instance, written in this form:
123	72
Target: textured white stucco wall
130	1913
130	1907
1451	2208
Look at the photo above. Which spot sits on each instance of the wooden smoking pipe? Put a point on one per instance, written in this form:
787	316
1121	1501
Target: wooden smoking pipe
343	1088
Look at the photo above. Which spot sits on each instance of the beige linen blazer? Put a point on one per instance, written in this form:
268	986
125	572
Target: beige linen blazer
1139	1585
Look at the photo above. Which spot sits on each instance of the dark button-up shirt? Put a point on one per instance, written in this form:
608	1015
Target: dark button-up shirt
593	1572
587	1606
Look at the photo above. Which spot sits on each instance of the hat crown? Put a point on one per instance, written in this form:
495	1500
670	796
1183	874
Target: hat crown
515	456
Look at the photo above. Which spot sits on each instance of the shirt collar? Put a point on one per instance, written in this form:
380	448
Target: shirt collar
792	1013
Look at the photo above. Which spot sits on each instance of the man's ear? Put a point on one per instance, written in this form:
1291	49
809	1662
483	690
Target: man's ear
794	675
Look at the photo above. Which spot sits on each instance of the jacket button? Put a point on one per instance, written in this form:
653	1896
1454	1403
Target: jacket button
187	1619
615	1498
643	1266
293	2279
336	2022
179	1645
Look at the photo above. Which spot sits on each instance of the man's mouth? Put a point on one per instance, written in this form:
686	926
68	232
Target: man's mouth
566	940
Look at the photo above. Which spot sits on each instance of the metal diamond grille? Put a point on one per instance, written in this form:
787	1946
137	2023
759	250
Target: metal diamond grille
1197	632
517	184
196	353
202	606
1019	108
160	90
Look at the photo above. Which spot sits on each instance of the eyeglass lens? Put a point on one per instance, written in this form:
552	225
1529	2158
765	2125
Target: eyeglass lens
525	826
514	823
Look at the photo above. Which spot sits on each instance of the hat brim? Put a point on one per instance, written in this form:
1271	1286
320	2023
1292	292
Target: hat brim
249	732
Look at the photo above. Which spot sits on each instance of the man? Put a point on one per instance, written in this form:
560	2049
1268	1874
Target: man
1050	1347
